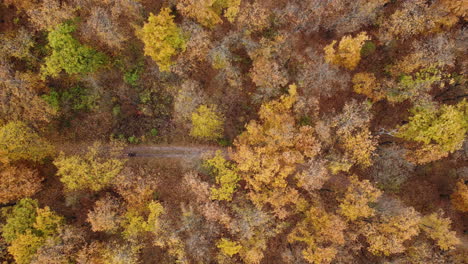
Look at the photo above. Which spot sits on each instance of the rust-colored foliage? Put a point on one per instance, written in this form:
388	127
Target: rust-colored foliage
459	197
18	182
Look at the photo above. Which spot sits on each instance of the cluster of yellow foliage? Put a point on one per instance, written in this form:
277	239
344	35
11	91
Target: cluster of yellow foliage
19	142
229	247
28	227
321	232
162	38
359	194
226	177
207	123
135	224
440	131
438	228
365	83
388	235
88	171
207	12
360	146
269	151
348	53
354	136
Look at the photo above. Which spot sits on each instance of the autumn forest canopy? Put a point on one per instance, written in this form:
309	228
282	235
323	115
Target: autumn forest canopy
233	131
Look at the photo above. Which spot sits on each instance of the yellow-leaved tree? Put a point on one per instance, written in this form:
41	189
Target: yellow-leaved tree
358	196
28	227
348	53
365	83
228	247
386	236
89	171
439	131
207	12
163	39
226	177
269	151
321	232
207	123
437	227
20	142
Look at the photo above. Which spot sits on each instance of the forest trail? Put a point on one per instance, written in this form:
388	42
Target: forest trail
170	151
163	151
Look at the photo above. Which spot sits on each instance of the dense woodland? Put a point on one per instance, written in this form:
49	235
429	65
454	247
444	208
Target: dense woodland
324	131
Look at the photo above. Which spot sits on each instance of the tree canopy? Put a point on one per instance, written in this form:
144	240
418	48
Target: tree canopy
163	39
68	54
20	142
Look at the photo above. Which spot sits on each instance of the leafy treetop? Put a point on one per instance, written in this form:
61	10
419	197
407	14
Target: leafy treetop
88	171
69	54
226	177
440	131
20	142
348	53
162	38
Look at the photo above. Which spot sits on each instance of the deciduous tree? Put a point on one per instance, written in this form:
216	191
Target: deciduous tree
321	232
207	12
366	84
188	98
20	142
17	44
18	182
358	196
267	70
19	96
50	13
136	185
387	236
89	171
68	54
228	247
269	151
459	197
439	131
437	227
106	214
207	123
101	25
62	248
28	227
390	169
226	177
352	129
163	39
348	53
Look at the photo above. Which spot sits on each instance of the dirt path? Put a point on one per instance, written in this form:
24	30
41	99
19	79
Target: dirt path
173	152
169	151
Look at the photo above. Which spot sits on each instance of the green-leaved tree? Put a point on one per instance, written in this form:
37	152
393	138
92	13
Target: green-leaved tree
68	54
